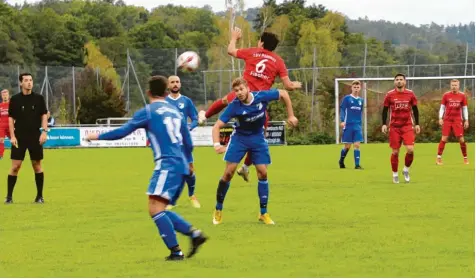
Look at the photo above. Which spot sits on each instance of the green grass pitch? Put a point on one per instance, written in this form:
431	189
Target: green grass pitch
329	222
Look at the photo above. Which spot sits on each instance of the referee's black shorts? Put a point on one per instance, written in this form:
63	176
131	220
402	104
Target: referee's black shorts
32	144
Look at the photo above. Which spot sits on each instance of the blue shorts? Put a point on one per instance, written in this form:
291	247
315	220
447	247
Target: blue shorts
166	184
352	133
239	145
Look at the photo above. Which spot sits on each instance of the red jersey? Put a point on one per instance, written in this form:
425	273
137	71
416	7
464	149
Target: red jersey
454	103
261	67
400	104
4	114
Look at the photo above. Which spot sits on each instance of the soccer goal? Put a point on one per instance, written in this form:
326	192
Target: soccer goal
426	89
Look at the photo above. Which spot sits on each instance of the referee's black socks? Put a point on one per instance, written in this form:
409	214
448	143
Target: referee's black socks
12	180
39	179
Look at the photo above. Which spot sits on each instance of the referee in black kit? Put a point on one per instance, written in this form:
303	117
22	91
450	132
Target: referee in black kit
27	114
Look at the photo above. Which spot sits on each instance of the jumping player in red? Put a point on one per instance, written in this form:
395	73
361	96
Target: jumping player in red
402	102
262	66
454	107
4	127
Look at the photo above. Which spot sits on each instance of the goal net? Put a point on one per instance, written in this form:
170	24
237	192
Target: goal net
428	91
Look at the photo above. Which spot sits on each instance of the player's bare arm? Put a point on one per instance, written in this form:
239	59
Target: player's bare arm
215	108
235	36
284	97
216	137
291	85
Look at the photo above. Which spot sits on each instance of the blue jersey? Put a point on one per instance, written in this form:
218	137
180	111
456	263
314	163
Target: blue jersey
250	118
186	107
351	110
167	132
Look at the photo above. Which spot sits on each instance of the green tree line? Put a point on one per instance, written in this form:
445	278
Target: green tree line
94	36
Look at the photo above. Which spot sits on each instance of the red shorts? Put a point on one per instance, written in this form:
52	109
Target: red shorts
397	135
4	132
457	128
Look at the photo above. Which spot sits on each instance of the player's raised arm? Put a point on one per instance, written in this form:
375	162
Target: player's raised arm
138	121
235	36
216	107
291	85
284	97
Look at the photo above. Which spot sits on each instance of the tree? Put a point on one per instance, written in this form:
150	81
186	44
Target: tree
97	100
94	59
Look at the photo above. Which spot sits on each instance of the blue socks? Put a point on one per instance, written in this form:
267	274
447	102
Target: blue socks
357	157
166	229
221	193
190	179
179	223
343	153
263	193
168	222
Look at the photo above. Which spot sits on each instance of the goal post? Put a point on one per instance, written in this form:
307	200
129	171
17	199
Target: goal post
370	84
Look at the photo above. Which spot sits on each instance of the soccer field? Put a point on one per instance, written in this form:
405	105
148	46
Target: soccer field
330	222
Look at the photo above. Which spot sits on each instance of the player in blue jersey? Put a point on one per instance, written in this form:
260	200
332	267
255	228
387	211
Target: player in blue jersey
167	131
249	109
351	123
188	110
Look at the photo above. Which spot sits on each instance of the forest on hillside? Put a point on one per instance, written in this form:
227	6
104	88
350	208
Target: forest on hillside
95	37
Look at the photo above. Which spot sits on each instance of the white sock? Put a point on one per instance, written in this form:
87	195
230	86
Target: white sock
395	174
244	167
406	168
439	156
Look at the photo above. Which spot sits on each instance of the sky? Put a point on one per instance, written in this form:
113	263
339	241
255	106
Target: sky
408	11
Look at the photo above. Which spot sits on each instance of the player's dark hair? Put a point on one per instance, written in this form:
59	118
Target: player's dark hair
270	41
158	86
20	77
400	75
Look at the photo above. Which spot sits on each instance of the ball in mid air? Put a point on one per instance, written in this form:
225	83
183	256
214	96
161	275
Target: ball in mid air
188	61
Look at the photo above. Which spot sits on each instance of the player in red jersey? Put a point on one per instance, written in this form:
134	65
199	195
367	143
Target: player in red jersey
401	102
4	127
262	66
454	107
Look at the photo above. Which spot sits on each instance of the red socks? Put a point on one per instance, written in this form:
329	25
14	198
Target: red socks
408	159
441	147
394	161
463	149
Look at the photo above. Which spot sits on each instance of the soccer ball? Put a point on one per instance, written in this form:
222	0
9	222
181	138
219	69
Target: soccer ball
188	61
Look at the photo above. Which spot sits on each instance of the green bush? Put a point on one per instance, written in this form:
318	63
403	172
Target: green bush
311	138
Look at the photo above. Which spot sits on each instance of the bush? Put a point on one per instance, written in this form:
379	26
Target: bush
98	100
311	138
